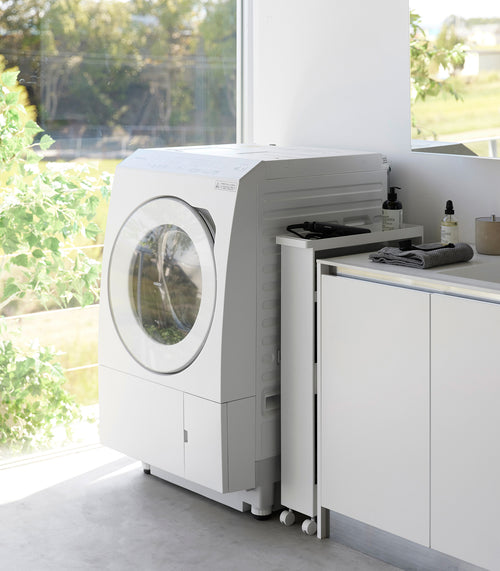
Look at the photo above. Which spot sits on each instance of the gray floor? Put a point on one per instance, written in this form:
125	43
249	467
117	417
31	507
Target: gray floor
96	509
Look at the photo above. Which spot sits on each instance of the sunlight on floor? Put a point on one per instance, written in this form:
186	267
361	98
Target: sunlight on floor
135	466
31	475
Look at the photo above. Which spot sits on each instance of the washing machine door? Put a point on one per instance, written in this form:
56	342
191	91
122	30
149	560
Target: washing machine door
162	284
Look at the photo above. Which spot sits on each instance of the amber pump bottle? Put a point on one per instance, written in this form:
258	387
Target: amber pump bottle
392	211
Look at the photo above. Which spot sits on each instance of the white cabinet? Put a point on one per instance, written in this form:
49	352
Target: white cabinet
465	429
205	440
374	428
219	449
209	443
139	414
410	412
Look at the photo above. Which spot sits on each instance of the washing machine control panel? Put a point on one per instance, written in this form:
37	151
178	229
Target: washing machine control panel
180	162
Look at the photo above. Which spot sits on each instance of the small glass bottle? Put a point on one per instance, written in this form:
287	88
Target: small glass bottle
449	225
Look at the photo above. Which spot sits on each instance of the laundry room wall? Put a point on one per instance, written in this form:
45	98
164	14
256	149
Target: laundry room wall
336	73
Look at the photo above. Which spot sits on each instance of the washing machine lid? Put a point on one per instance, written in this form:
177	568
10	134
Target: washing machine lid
162	284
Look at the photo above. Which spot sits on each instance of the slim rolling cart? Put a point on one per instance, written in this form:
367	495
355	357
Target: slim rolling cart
298	363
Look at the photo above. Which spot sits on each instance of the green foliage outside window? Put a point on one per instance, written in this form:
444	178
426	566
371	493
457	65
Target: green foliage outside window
427	59
46	214
33	401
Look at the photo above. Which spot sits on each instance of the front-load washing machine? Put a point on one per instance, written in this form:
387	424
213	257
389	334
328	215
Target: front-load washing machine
189	317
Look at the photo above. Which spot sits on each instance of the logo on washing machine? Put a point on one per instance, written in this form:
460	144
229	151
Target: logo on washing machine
226	185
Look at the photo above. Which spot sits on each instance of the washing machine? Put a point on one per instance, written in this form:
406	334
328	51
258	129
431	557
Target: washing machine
189	335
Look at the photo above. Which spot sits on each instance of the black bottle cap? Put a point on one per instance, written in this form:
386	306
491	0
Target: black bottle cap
449	207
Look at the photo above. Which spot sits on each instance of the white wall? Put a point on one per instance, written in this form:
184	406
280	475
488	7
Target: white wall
336	73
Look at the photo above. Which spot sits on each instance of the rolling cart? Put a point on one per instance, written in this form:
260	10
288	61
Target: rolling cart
298	363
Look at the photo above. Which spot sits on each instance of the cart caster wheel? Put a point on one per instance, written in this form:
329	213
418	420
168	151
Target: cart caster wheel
146	468
287	518
309	526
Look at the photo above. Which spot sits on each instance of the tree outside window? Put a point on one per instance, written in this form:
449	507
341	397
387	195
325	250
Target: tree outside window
97	79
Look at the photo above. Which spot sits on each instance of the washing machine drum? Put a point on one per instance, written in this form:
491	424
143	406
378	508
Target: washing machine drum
162	283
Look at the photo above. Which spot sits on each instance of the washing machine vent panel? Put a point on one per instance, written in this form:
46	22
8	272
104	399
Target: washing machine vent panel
162	284
338	197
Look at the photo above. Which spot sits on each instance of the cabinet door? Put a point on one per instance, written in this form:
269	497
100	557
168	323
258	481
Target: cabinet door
375	405
205	436
465	427
142	419
220	443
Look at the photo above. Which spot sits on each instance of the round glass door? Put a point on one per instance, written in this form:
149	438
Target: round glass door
162	284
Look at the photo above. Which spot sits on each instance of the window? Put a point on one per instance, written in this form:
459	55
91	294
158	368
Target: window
106	77
455	76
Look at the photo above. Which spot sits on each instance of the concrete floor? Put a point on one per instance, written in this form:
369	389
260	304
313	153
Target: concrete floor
96	509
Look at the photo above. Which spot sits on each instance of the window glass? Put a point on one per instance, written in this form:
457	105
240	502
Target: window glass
103	78
455	77
109	76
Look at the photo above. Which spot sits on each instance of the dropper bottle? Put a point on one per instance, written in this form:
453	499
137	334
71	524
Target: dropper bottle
449	225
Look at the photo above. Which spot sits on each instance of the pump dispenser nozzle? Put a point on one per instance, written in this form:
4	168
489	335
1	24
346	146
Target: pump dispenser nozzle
392	194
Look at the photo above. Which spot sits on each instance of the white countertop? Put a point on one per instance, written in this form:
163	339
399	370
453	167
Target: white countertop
436	279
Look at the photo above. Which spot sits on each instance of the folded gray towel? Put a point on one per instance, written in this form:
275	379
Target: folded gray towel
423	259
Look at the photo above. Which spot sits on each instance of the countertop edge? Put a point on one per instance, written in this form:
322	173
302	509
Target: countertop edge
361	267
